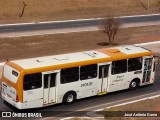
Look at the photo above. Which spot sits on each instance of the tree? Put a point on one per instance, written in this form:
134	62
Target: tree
24	5
110	26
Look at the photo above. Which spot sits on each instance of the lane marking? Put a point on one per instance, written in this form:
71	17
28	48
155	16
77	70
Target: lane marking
148	43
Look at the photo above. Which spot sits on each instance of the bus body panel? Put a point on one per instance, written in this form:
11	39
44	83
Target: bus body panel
10	101
9	84
117	82
83	88
9	91
36	103
32	95
52	91
50	87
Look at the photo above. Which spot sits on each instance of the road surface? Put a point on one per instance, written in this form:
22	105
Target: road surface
41	28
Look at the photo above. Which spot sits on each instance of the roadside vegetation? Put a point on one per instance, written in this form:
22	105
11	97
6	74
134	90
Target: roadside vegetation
13	11
110	26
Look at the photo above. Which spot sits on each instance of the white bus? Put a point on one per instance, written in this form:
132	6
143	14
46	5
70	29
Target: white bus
44	81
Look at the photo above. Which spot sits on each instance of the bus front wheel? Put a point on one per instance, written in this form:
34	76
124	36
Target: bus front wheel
69	98
133	84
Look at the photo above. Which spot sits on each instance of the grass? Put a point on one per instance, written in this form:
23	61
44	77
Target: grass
34	46
43	10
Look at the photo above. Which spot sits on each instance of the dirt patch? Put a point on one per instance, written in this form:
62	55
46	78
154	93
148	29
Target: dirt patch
34	46
140	107
43	10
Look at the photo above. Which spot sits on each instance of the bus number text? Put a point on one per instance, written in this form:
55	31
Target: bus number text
86	84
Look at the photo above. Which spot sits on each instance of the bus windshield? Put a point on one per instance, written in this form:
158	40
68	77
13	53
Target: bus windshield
10	73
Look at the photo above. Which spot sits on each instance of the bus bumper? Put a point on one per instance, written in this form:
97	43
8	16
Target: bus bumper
15	104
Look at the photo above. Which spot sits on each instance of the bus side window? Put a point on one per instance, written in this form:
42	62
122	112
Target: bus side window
53	80
69	75
105	67
134	64
119	66
32	81
88	72
46	81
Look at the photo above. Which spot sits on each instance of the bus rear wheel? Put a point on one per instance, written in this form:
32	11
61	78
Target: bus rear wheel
69	98
133	84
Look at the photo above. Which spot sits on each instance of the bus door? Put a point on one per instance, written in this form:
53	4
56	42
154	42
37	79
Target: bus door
49	83
147	70
103	76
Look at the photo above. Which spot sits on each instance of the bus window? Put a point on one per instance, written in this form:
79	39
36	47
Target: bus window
14	73
32	81
119	66
11	73
134	64
104	70
53	80
46	77
88	72
69	75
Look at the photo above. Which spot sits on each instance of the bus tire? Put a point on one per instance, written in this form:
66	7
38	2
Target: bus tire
69	98
134	84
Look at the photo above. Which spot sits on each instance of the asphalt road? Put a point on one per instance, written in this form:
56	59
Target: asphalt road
73	24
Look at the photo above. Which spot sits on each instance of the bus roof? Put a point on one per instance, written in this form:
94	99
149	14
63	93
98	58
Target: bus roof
83	58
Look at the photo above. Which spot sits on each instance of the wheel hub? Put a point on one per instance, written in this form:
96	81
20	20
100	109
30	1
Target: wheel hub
70	98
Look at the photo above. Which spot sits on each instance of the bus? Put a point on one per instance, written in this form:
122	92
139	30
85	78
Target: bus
43	81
